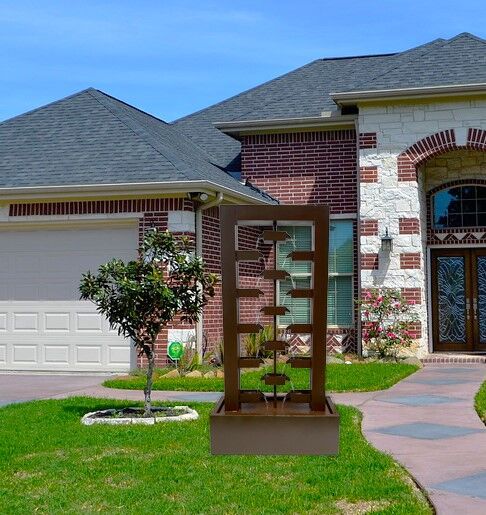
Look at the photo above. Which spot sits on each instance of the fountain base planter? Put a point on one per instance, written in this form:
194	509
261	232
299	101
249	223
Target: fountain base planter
288	429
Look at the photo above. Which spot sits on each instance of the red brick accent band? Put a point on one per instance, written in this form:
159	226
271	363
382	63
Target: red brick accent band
86	207
410	260
368	174
369	227
476	139
409	226
438	143
415	330
367	140
369	261
412	295
409	160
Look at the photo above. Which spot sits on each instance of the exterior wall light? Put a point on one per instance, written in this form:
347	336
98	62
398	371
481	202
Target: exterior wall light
386	242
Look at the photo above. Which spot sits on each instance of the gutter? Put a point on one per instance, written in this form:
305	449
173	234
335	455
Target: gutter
199	252
237	128
351	97
117	189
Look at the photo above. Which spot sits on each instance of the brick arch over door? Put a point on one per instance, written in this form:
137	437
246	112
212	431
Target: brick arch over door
414	156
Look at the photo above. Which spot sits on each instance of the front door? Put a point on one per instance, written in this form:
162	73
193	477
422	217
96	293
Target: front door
459	299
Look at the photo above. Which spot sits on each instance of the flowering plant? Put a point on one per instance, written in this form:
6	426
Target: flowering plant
386	318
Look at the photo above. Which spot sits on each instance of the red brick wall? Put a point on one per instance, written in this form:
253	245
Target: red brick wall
211	244
308	168
304	168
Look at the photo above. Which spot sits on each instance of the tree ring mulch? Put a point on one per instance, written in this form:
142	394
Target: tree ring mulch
136	416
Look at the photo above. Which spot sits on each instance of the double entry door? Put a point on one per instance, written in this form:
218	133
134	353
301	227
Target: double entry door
459	299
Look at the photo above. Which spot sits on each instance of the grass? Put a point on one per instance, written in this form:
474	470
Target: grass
480	402
340	378
50	463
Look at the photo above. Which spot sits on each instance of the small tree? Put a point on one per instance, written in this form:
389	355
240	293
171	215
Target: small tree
142	296
386	318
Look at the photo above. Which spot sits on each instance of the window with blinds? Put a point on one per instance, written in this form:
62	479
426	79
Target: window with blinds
340	293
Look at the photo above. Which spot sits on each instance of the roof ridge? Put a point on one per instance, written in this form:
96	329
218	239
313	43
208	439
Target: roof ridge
364	56
40	108
396	66
254	88
130	105
280	77
178	157
156	118
469	35
129	125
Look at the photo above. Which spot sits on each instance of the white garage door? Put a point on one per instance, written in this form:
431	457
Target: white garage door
43	324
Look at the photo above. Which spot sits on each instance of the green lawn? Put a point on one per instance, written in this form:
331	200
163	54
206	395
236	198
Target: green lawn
480	402
50	463
360	377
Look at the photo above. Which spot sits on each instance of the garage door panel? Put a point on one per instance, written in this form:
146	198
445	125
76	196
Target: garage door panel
88	355
44	324
89	322
3	322
57	322
25	322
25	354
56	354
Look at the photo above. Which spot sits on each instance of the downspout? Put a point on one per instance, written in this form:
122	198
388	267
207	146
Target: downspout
359	348
199	252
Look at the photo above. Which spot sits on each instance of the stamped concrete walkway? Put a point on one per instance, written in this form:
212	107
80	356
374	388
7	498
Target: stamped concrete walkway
428	423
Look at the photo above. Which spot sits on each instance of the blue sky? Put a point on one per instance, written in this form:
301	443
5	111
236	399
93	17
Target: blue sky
174	57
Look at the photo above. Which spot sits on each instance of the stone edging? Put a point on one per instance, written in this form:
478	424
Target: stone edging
188	414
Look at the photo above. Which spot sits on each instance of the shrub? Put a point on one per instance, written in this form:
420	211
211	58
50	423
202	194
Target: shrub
386	318
253	343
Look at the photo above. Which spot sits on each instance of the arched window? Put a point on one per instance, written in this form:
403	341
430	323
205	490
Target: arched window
460	206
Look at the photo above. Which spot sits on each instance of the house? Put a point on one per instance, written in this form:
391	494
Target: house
393	143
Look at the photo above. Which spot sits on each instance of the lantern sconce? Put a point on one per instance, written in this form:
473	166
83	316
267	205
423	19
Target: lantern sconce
386	242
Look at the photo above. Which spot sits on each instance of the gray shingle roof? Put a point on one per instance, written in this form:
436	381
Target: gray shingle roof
457	61
300	93
92	138
305	92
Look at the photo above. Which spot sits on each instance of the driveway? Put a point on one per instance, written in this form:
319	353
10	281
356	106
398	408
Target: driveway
20	387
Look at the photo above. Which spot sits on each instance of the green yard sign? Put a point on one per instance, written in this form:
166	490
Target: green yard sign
175	350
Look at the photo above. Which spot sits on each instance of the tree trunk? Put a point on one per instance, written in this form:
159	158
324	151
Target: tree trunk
149	352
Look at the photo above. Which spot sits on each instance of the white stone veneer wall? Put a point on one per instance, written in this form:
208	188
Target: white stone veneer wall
398	127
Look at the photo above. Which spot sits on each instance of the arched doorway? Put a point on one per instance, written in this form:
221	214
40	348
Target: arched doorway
455	186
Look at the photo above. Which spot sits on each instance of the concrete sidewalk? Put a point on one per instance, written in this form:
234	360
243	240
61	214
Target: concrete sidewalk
428	423
29	387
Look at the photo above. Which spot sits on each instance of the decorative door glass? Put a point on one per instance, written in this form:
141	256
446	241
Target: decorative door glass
451	296
481	306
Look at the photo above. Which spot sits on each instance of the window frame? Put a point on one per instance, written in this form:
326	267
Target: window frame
445	188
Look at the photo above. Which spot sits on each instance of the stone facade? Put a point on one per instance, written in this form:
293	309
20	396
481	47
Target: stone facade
418	146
